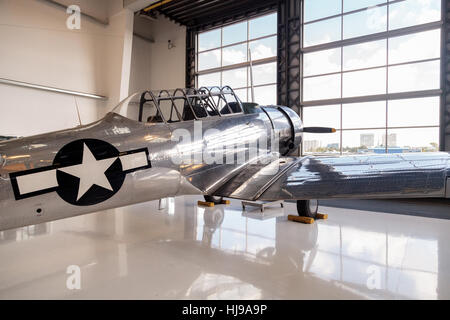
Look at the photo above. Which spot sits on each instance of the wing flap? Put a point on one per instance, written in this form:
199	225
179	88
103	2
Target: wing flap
251	182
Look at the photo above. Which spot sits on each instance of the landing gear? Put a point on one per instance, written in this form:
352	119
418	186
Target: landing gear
214	199
307	208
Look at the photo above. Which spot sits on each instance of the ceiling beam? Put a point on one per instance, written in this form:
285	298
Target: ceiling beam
175	4
193	5
136	5
221	6
208	22
237	8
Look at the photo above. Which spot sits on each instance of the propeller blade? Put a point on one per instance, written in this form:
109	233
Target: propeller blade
319	130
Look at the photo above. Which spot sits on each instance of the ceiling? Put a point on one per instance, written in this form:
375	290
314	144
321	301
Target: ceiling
203	14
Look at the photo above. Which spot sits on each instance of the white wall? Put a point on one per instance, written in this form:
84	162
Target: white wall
37	47
140	79
153	65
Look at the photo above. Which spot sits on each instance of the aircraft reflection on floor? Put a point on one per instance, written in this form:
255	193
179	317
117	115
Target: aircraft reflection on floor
187	251
342	254
25	233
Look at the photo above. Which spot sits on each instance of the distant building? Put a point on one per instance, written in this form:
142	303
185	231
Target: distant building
311	145
392	139
333	146
367	139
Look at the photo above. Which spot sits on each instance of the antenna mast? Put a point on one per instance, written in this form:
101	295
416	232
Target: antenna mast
251	74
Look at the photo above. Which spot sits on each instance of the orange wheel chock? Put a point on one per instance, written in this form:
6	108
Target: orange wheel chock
322	216
205	204
305	220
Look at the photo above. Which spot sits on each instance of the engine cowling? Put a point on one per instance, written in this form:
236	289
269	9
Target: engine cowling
287	127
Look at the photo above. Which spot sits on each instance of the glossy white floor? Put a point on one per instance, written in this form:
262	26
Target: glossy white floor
190	252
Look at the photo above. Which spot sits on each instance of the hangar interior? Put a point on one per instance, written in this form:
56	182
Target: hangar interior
375	70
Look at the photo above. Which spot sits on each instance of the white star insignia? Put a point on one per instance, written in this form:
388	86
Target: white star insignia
91	171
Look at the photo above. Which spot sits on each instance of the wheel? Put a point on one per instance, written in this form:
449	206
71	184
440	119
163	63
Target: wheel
214	199
213	218
307	208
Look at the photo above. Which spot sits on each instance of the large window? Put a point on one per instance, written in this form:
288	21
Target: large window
223	58
371	69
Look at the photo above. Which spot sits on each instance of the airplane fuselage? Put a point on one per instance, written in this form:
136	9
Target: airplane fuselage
116	161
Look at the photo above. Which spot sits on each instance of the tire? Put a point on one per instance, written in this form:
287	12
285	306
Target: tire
307	208
214	199
213	218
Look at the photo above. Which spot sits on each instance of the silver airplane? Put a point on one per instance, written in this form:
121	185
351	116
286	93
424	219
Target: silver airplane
195	141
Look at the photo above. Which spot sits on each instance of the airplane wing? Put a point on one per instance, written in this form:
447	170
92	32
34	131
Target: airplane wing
413	175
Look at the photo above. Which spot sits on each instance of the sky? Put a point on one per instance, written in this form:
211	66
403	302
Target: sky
373	54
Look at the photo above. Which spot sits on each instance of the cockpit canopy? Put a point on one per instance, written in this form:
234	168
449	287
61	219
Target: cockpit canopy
169	106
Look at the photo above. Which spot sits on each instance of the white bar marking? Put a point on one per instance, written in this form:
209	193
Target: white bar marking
134	160
37	181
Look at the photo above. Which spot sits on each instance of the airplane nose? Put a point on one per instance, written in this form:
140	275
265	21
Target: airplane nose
287	126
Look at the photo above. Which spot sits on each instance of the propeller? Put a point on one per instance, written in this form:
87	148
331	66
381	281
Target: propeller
318	130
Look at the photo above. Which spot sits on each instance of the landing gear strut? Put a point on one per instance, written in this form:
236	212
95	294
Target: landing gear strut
307	208
214	199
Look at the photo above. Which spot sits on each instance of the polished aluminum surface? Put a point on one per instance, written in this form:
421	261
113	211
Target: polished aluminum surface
250	183
248	169
364	176
162	179
447	190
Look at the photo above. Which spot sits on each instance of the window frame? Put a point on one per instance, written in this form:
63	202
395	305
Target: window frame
386	96
222	68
